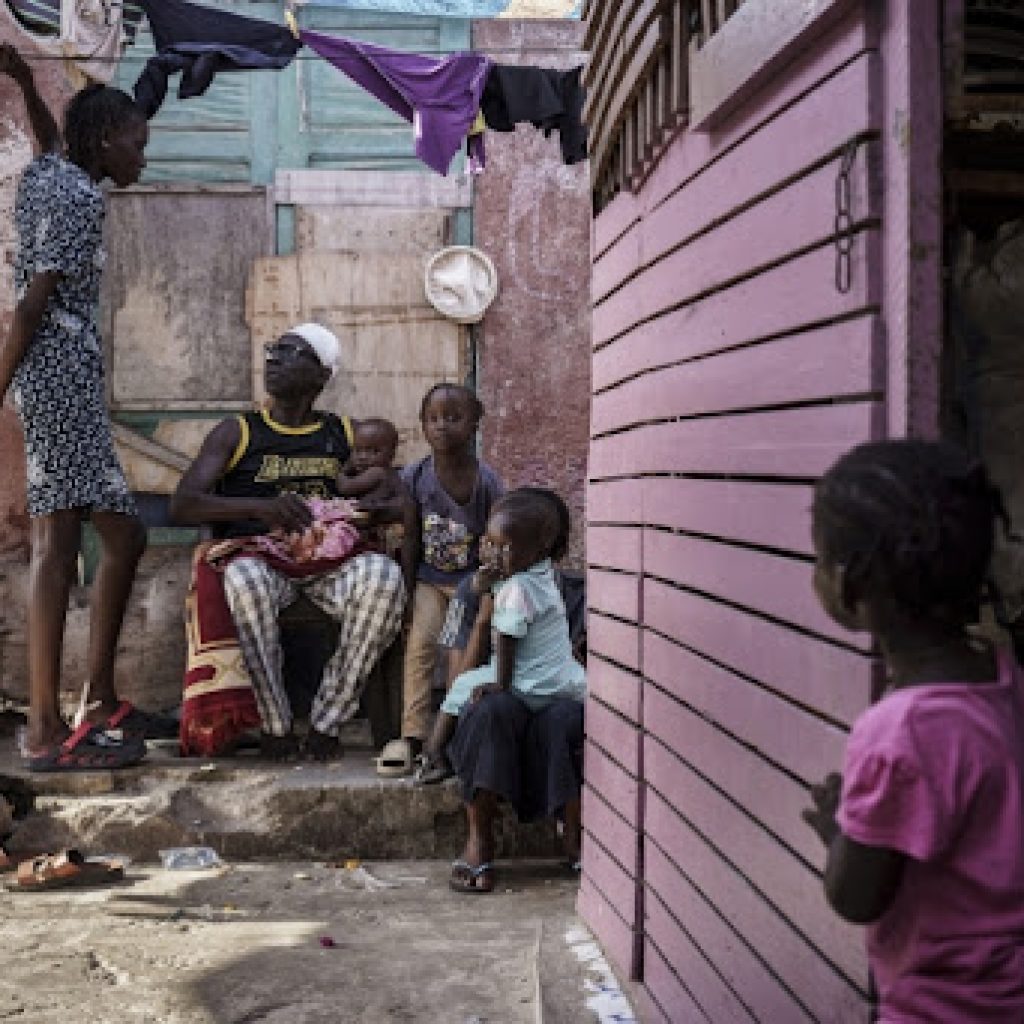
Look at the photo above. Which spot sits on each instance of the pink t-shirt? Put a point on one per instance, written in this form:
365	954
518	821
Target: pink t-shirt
937	772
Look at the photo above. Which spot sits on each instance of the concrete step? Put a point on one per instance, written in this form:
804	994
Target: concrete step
248	809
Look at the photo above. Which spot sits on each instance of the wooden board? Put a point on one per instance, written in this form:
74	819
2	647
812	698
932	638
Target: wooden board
832	680
800	442
394	345
677	795
173	311
839	361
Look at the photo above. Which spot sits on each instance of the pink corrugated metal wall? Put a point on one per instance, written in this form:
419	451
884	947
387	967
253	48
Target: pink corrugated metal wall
728	372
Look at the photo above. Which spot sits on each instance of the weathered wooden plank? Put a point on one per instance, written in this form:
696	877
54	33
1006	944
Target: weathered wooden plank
664	290
910	92
667	998
627	80
769	584
756	43
614	686
615	593
159	286
769	872
711	938
614	501
617	884
692	151
370	188
690	961
776	515
611	50
617	263
796	442
616	219
616	786
616	641
616	835
771	796
615	934
796	295
781	152
683	257
832	680
839	360
614	547
615	735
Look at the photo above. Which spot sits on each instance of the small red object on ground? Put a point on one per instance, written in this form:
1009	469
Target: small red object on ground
327	942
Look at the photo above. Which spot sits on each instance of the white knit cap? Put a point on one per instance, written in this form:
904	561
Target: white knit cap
322	341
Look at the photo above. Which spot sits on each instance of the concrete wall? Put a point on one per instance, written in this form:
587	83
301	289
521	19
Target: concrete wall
532	216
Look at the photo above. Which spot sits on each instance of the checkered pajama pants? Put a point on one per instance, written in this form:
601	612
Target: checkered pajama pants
365	596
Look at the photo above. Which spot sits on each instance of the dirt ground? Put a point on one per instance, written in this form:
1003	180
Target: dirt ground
251	943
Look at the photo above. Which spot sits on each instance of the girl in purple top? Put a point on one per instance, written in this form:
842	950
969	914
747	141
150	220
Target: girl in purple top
925	828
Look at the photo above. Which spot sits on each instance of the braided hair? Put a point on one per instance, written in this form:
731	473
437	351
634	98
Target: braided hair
562	526
93	113
913	520
532	516
470	394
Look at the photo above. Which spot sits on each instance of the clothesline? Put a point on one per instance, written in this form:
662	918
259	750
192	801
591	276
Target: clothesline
507	51
449	98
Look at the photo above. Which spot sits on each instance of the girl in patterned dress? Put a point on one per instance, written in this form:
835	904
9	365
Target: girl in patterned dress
52	363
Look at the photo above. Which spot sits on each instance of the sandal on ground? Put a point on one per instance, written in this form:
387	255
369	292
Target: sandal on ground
476	881
396	759
88	749
321	747
64	870
143	725
429	771
279	748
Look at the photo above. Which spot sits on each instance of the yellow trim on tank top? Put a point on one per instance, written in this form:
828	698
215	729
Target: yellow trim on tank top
350	434
280	428
242	446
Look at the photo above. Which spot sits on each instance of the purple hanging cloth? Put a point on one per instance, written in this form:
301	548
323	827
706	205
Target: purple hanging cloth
440	98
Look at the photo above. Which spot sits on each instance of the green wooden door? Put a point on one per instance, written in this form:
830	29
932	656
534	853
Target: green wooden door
249	124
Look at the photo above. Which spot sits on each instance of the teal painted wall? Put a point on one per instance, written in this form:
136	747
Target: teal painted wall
251	123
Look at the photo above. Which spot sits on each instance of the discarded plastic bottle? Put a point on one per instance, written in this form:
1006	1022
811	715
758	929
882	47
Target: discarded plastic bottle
189	858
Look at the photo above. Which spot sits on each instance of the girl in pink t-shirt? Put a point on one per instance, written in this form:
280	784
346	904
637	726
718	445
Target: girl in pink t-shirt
925	828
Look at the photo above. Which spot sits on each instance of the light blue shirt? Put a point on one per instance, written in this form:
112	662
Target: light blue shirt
529	607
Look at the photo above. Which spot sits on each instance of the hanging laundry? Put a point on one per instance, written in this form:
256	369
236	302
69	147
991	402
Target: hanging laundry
440	98
89	34
547	99
200	42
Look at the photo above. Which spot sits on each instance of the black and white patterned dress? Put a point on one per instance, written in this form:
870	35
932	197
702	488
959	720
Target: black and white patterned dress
59	385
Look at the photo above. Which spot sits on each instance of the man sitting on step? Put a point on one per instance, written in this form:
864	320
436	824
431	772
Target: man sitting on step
257	474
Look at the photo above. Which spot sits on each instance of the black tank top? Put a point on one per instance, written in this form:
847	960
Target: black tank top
273	459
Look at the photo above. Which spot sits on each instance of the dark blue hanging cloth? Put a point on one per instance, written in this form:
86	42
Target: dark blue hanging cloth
200	42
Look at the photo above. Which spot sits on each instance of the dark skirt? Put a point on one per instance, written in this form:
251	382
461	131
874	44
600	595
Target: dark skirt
532	760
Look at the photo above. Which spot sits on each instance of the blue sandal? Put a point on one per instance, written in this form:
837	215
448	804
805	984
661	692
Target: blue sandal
475	881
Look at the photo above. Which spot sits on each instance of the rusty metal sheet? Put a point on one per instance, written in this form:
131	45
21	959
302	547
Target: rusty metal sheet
173	302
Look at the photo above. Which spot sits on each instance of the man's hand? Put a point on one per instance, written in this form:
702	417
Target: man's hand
480	692
822	816
287	512
12	63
